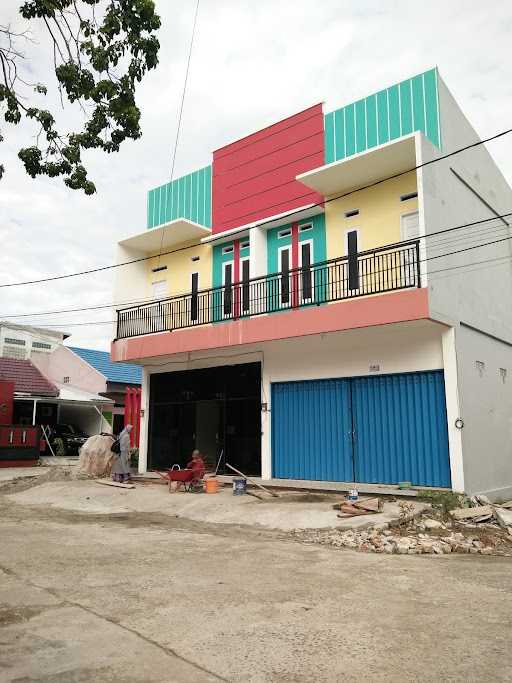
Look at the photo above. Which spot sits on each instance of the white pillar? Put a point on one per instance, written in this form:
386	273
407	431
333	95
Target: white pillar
34	412
258	247
453	409
266	443
144	422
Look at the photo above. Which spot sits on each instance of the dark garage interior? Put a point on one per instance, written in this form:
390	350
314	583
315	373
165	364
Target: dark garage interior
216	410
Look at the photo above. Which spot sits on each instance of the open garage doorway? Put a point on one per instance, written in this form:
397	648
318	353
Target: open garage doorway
216	410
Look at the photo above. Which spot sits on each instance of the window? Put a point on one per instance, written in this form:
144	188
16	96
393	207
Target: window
353	266
306	257
284	233
351	213
227	281
354	231
16	342
65	380
409	195
244	245
305	228
227	250
41	345
14	352
284	269
245	285
194	296
159	289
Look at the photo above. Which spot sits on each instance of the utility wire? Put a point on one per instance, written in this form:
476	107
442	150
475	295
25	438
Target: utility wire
265	222
434	245
424	260
180	115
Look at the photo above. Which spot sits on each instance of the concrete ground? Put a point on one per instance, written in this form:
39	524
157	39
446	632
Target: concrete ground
287	512
142	596
8	474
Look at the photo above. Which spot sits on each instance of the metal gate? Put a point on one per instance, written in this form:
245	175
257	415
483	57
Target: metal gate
381	429
310	430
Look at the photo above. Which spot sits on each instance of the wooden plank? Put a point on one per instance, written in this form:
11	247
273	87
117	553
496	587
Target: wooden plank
470	513
117	484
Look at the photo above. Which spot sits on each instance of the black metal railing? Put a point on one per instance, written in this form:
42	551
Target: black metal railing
376	271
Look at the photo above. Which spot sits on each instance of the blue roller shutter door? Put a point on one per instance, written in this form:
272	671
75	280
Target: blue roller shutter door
401	429
311	425
398	424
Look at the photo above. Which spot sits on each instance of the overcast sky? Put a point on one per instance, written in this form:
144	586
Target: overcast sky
254	62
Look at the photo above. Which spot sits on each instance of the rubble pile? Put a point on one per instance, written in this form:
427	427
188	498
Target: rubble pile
483	529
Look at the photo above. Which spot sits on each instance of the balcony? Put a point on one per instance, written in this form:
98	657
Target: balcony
377	271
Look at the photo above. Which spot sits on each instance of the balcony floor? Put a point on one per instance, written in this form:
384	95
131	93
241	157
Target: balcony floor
368	311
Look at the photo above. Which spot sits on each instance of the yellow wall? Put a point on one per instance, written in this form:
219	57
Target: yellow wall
378	221
180	268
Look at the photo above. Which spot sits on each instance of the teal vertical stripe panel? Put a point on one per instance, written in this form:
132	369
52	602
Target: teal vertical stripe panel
181	198
350	130
360	126
170	207
194	193
339	127
371	121
399	110
382	116
208	197
330	143
201	219
174	196
394	112
186	197
406	107
151	195
431	106
187	184
418	104
157	204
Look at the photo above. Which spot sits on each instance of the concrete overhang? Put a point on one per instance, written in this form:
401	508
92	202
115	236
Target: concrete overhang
363	169
166	236
300	214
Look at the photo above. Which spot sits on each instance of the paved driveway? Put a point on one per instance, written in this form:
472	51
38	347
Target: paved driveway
145	597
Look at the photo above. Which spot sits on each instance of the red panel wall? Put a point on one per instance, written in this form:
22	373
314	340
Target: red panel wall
6	402
254	178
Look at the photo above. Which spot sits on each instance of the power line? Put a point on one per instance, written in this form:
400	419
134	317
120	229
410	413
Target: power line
434	245
180	115
222	236
424	260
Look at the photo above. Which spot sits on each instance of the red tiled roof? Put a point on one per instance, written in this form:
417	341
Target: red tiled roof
26	377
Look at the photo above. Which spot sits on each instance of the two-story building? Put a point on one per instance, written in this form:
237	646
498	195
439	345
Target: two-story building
321	301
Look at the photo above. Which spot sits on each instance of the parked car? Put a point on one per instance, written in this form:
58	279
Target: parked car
67	439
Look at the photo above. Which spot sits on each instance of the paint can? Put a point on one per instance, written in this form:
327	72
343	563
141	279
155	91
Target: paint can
353	495
239	487
211	485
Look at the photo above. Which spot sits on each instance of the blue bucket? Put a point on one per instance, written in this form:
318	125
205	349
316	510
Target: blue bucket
239	487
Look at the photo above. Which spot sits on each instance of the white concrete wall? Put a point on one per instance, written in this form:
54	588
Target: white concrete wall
472	287
63	362
408	347
466	293
131	282
485	377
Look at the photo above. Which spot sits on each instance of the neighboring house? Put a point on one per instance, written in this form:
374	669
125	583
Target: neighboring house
305	331
38	400
117	377
20	341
